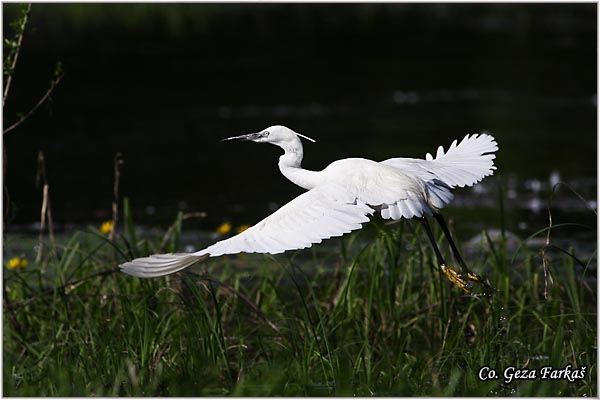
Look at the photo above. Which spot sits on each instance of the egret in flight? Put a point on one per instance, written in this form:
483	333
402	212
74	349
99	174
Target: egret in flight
343	196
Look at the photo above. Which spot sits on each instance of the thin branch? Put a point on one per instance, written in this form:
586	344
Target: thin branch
38	258
16	56
46	213
58	288
198	214
53	85
115	204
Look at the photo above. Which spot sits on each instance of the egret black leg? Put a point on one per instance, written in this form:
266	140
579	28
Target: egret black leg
472	276
451	274
440	219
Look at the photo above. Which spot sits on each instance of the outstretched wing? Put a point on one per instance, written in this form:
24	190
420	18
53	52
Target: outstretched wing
159	264
318	214
464	164
321	213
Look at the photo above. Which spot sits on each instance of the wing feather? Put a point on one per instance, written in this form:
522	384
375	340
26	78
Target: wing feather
414	206
464	164
404	209
385	212
323	212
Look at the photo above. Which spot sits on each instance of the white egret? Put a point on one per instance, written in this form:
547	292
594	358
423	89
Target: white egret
342	196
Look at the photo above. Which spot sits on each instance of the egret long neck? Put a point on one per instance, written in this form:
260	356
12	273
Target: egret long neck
290	166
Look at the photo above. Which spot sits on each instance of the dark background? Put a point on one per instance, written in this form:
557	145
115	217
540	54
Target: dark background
163	83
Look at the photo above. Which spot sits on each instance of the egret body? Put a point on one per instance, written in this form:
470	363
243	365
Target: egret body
343	196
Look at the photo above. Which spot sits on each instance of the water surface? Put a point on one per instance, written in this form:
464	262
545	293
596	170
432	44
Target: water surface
162	84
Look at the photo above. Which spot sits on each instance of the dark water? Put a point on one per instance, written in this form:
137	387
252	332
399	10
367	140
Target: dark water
162	84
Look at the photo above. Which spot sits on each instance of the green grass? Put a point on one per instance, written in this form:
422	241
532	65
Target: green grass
365	315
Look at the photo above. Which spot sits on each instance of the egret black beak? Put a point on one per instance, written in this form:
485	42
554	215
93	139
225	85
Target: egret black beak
250	136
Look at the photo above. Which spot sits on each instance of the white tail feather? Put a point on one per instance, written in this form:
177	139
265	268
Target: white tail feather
160	264
466	163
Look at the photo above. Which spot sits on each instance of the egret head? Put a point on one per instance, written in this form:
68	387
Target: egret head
277	135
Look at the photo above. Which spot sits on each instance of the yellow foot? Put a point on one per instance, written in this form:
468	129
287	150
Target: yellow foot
457	278
473	277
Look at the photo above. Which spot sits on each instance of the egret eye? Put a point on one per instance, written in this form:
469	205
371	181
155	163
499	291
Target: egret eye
266	133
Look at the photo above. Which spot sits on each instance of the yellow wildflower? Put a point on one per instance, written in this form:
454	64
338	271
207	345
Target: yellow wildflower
106	227
224	228
242	228
17	262
13	263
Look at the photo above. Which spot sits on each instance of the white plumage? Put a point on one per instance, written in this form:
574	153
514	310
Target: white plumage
320	213
462	165
341	197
